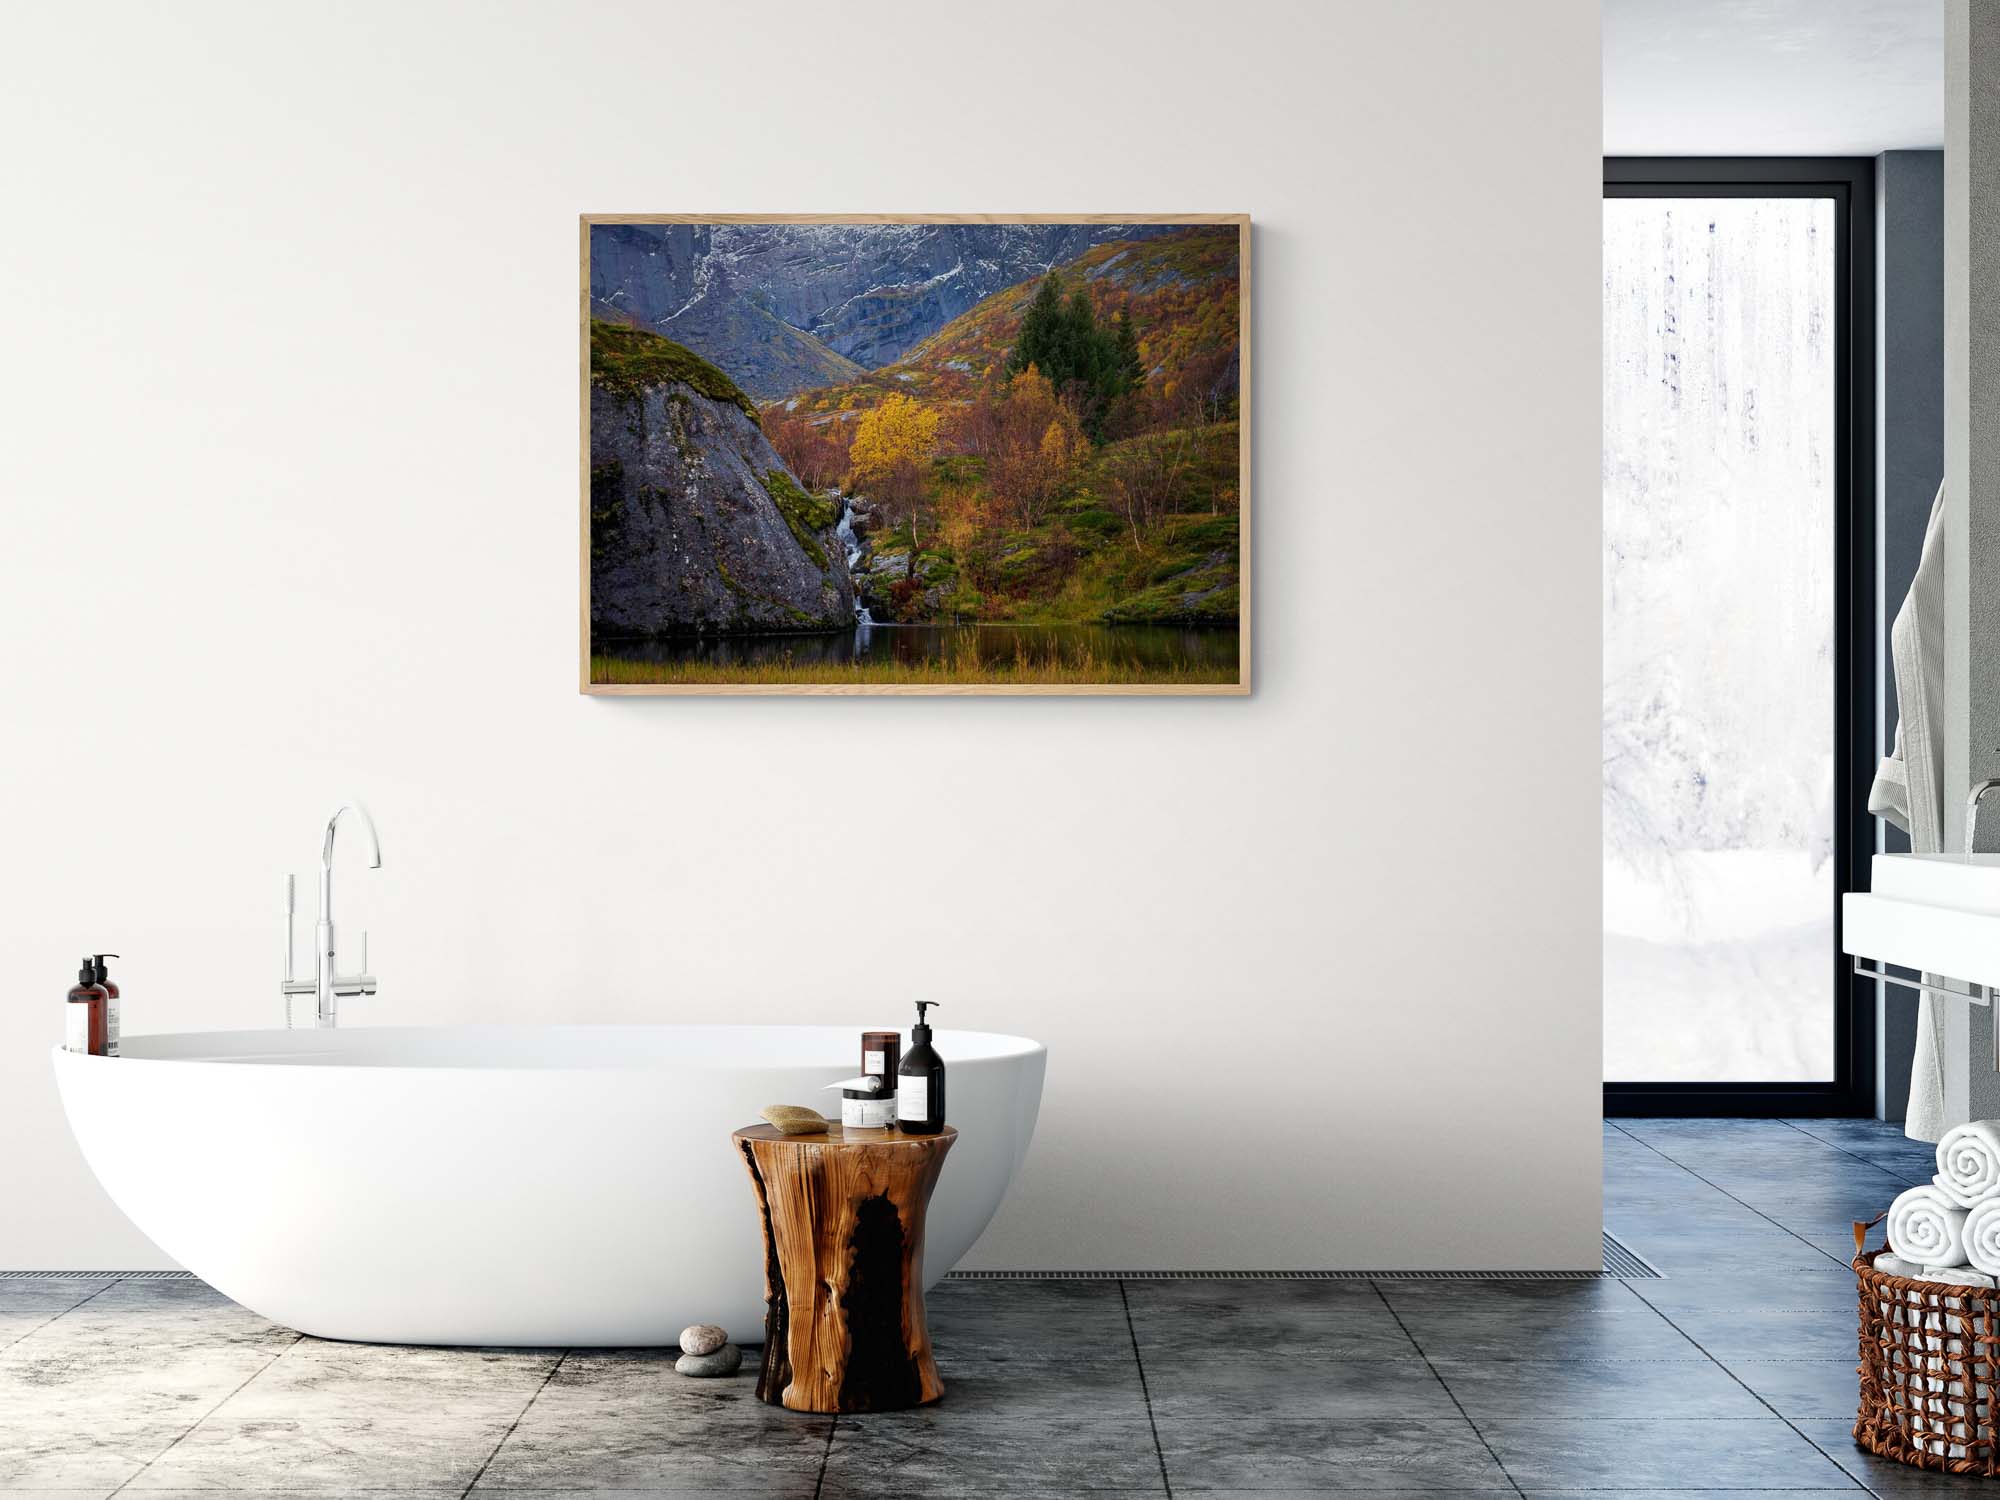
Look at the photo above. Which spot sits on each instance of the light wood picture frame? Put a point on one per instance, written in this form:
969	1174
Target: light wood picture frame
791	420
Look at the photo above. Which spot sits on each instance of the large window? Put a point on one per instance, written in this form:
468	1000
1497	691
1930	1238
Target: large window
1728	750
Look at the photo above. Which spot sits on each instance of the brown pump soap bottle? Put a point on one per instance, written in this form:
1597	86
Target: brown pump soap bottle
920	1089
83	1028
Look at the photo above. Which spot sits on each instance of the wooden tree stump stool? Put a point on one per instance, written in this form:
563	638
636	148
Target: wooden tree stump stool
843	1266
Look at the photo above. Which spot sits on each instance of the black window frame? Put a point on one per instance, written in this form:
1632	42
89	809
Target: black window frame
1850	183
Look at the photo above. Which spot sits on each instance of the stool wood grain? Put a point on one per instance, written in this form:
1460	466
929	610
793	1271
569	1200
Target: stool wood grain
843	1215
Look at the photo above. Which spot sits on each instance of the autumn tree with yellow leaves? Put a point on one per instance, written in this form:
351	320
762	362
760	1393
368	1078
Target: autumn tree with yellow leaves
890	458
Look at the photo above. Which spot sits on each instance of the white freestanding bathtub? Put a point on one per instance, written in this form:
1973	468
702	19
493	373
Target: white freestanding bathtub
500	1185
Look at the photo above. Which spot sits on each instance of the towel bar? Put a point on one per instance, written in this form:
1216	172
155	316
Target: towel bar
1977	994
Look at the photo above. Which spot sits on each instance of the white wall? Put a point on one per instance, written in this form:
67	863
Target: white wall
289	467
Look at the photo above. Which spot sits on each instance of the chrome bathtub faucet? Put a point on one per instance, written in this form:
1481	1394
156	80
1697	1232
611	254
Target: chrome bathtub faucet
327	986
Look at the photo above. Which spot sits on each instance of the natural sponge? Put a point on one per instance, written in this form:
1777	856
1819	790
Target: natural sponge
794	1119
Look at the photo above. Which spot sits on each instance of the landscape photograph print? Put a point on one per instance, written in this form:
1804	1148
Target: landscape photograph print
936	454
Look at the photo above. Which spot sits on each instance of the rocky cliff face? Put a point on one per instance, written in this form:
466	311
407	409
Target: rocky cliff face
696	524
785	307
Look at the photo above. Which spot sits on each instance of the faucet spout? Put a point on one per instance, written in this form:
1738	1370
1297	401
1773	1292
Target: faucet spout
367	827
1972	800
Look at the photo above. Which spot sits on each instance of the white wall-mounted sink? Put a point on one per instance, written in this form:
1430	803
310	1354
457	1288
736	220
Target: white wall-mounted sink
1939	913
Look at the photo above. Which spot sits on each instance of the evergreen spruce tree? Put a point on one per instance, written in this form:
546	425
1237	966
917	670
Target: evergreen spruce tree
1130	374
1092	364
1082	347
1041	331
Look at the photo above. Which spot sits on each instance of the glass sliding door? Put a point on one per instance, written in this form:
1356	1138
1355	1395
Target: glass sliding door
1727	764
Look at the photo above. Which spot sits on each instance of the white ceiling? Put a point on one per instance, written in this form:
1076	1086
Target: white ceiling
1772	77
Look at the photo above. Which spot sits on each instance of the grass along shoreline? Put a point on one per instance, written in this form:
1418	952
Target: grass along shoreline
1077	668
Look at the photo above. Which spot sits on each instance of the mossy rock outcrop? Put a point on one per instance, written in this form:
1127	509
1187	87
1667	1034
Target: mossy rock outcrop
697	527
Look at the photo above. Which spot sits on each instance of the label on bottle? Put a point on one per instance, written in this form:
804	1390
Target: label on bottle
76	1027
111	1027
867	1114
874	1062
913	1099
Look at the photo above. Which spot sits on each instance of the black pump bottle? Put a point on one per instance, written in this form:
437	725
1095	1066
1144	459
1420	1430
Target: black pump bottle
111	1017
920	1082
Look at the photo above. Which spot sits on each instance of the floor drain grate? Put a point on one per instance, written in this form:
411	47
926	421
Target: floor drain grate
96	1275
1619	1262
1623	1261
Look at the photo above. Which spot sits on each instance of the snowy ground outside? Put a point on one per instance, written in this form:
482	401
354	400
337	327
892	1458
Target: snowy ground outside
1723	977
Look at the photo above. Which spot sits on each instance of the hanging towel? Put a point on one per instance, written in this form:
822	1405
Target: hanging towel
1908	788
1968	1161
1927	1227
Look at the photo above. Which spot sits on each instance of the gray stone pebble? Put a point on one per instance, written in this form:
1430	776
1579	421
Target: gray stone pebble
703	1338
724	1361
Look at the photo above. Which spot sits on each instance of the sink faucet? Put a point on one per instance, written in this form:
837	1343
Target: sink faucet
327	985
1972	800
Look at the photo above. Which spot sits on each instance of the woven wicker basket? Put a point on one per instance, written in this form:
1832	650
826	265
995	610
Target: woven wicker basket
1930	1355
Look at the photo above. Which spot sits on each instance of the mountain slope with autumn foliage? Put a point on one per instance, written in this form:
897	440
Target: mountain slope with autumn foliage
1104	488
1180	290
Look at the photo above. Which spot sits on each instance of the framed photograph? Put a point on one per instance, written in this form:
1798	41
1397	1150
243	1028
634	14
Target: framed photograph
975	453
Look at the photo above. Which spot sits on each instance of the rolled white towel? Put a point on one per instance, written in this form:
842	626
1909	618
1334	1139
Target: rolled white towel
1927	1227
1942	1420
1968	1161
1890	1264
1981	1236
1958	1275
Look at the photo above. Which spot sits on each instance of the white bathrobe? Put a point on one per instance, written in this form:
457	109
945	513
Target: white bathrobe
1908	788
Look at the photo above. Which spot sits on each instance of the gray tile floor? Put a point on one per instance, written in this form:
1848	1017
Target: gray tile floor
1733	1373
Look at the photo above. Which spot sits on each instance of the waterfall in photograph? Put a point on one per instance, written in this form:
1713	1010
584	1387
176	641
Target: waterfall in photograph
1719	509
